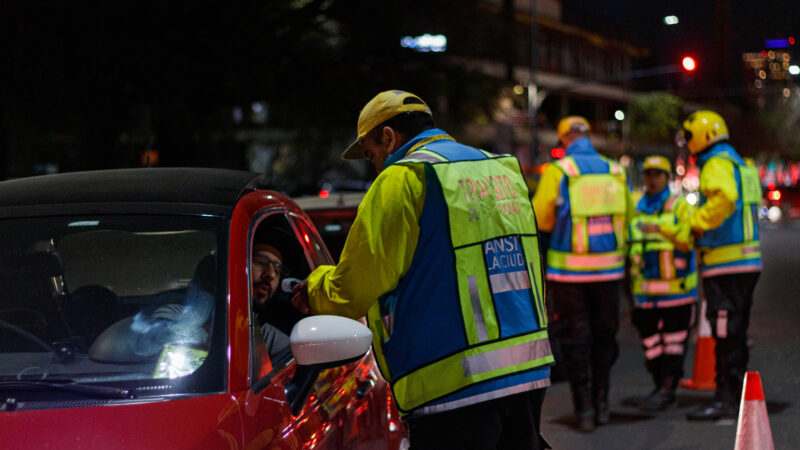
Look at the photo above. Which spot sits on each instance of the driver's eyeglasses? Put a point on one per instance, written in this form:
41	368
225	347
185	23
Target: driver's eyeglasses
267	264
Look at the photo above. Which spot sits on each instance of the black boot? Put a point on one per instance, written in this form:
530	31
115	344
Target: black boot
582	400
663	396
724	404
603	414
658	400
600	394
716	409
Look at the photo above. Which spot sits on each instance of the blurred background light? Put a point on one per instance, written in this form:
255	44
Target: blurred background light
671	20
774	214
688	63
776	43
426	43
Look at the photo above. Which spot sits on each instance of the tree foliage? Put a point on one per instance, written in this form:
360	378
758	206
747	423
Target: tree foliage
654	116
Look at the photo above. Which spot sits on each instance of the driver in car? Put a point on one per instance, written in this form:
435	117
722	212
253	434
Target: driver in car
267	268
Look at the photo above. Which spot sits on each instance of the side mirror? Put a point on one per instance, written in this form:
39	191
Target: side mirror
320	342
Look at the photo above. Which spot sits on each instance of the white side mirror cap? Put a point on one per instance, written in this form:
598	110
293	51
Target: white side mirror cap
326	340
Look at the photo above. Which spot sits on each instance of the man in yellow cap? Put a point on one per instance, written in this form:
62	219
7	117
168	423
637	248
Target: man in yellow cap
583	200
663	280
443	257
726	227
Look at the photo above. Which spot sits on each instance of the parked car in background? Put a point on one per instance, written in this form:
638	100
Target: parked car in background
333	215
126	321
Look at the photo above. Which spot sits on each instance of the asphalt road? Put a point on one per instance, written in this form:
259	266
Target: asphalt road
774	352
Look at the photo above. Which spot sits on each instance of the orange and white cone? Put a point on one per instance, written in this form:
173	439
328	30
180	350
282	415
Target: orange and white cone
704	371
753	431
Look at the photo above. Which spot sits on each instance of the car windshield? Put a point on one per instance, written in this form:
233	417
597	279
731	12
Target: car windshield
124	301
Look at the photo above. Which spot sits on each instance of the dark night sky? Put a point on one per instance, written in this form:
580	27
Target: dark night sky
642	22
751	21
82	74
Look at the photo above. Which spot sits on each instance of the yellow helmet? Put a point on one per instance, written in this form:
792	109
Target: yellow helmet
572	123
657	162
700	130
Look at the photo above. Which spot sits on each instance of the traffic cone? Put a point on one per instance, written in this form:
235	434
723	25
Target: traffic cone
704	371
753	431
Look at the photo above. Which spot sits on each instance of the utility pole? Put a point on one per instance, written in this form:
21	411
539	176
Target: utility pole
533	90
508	34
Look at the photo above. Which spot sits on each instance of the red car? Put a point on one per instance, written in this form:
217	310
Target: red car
126	321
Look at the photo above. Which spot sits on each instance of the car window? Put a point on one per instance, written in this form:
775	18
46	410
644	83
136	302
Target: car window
277	257
316	250
121	300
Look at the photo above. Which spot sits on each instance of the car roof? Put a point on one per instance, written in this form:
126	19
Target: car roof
144	186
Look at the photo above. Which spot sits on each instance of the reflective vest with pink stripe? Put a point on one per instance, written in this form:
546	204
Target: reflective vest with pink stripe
589	234
661	275
733	247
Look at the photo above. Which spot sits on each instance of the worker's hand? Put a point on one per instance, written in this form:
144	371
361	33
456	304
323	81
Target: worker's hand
300	297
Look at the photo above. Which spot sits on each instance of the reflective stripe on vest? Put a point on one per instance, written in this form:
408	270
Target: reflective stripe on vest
470	366
731	253
596	261
485	200
661	287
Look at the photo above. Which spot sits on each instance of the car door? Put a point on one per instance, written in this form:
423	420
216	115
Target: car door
353	395
267	419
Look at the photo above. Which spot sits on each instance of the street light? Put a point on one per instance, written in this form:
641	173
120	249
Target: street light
671	20
794	70
619	115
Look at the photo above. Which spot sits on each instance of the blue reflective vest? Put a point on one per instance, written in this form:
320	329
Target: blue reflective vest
661	275
588	239
733	247
466	323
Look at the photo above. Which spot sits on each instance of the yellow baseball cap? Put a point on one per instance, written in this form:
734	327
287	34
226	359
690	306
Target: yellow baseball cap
571	123
381	108
657	162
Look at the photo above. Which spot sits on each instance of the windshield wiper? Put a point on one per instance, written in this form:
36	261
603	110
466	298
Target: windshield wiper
67	386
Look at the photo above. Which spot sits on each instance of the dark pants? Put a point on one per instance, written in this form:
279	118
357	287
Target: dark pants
664	333
504	423
585	319
729	299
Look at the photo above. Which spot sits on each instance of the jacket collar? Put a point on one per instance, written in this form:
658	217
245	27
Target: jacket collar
716	150
581	146
652	203
401	152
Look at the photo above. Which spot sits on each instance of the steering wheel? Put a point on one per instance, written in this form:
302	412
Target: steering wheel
26	334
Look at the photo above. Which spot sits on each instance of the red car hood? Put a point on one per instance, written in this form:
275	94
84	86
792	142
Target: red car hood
202	422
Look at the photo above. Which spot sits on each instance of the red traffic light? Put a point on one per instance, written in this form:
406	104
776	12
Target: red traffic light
689	64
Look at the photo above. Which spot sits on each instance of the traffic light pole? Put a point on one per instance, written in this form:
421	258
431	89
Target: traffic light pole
533	90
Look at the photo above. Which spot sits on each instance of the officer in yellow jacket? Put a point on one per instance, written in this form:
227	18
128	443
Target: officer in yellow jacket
583	200
443	257
663	276
726	227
